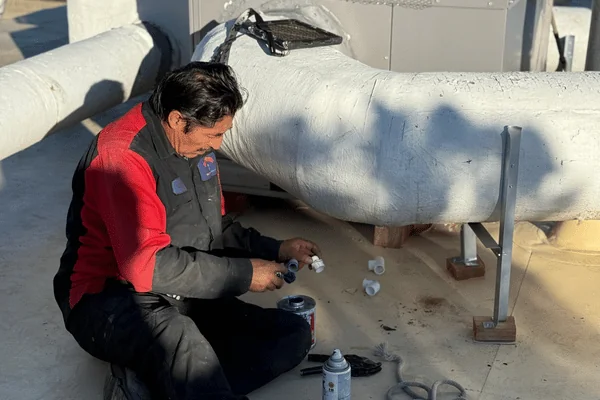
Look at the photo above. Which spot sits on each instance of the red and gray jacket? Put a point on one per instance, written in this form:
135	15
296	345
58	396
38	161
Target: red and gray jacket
142	214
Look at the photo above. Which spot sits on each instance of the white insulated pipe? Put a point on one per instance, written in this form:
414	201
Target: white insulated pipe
388	148
77	81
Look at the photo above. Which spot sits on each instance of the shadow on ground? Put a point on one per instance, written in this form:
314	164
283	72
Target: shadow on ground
35	192
43	30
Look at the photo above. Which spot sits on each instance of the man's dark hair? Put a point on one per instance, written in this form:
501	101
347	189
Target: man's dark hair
203	92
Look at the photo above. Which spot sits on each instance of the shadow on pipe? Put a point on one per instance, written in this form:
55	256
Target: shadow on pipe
405	164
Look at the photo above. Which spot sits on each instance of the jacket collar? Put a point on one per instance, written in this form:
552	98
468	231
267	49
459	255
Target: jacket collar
157	132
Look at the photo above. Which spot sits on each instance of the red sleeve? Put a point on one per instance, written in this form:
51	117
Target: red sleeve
133	213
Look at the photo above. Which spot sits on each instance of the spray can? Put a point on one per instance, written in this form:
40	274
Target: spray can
336	377
303	306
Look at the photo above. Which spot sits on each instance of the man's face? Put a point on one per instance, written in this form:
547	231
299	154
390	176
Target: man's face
198	140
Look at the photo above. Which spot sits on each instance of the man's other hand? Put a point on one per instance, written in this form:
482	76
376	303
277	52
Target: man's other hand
264	275
300	249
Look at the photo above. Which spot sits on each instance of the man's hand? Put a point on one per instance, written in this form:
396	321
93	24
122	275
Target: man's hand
264	276
300	249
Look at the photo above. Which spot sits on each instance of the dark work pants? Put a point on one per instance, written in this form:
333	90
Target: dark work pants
191	349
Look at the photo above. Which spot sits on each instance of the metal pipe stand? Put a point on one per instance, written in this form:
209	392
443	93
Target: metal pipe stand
500	327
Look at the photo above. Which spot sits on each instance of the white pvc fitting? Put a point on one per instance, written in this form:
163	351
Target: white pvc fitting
377	265
317	265
371	287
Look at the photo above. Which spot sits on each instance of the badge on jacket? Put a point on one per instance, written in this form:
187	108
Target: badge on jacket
178	186
207	166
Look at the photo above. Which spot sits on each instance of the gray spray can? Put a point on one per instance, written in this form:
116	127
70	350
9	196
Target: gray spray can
336	377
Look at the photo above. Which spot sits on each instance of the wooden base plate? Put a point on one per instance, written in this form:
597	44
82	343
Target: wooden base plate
503	332
461	272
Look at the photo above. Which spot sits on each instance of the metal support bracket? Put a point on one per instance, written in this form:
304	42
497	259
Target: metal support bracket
503	249
568	46
508	198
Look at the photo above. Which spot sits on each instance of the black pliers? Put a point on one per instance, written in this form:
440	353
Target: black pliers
361	366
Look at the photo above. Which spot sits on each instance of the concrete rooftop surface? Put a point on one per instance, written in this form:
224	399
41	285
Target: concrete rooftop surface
554	292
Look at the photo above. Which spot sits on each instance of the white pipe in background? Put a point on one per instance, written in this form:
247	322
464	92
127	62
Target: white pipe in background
389	148
77	81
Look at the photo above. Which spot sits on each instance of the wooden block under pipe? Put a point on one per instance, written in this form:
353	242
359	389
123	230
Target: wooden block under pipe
461	272
503	332
396	236
391	236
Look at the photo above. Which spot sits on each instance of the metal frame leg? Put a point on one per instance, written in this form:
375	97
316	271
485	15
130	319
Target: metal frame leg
568	45
485	327
468	265
508	198
468	246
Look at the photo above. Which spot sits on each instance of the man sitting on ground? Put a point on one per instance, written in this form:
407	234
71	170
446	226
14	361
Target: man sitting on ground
152	268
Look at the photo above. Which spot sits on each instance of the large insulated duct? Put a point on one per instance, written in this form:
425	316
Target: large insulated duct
388	148
77	81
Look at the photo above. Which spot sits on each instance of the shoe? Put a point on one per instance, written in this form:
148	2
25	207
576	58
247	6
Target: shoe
123	384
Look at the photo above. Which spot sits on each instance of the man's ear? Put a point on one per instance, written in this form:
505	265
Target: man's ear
176	120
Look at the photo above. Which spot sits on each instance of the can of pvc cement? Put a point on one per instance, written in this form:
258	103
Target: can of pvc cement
303	306
337	377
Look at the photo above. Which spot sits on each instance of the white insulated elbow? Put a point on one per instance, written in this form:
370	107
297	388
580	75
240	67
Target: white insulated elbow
394	149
